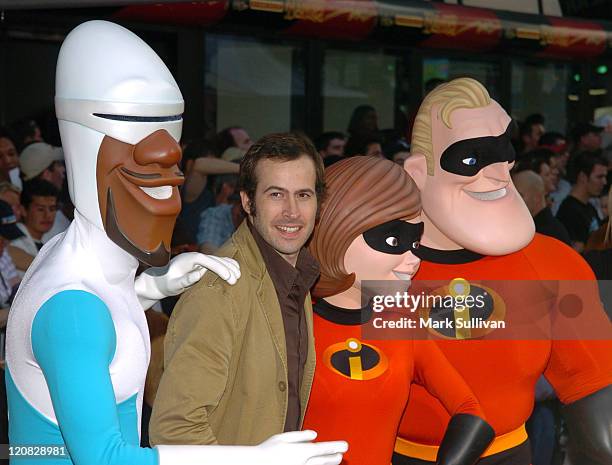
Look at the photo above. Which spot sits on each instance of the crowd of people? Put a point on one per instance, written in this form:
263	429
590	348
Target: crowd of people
563	179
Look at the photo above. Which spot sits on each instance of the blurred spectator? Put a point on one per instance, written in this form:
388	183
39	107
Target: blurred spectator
234	136
530	132
232	154
42	161
9	159
9	278
600	260
369	146
586	137
587	172
597	240
330	144
200	161
532	188
398	151
10	194
225	186
218	223
363	123
557	143
542	162
39	200
25	132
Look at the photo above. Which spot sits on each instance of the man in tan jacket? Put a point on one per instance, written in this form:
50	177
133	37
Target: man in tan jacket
239	360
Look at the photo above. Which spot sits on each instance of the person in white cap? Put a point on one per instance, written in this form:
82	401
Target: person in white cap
43	161
40	160
77	339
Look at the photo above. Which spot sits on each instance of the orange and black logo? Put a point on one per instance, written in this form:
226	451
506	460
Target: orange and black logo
464	321
355	360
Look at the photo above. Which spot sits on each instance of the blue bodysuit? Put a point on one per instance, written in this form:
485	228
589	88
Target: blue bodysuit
77	354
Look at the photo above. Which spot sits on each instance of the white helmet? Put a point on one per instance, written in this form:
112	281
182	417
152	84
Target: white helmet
109	82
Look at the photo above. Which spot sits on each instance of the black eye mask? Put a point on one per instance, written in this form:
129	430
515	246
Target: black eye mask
467	157
394	237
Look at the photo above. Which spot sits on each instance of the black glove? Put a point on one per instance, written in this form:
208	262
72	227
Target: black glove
589	423
465	440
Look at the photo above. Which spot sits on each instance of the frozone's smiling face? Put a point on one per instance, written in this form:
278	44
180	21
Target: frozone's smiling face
138	194
470	201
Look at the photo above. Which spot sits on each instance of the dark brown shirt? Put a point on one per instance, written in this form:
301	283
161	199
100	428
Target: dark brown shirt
292	285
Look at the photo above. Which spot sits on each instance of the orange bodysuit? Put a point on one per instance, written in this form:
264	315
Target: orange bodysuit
361	387
503	373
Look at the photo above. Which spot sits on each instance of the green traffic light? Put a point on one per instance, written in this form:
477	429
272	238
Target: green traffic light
602	69
577	77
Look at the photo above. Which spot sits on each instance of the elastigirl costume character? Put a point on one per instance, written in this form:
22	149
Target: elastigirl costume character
369	229
77	341
477	227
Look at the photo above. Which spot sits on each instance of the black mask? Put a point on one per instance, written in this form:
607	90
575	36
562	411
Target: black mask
394	237
467	157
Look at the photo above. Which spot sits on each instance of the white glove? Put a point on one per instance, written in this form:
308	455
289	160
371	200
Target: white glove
293	448
296	448
182	272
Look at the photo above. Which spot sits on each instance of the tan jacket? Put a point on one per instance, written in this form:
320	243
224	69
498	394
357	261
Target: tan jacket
225	378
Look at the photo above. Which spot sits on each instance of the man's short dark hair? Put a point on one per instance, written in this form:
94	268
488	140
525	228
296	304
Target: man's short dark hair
583	162
279	147
551	138
323	141
231	179
23	130
37	188
534	159
6	134
359	145
225	139
197	148
530	121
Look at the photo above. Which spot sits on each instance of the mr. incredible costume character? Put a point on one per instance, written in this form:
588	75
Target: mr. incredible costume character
477	227
369	229
77	340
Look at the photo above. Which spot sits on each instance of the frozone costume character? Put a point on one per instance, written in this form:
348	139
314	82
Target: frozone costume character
77	340
477	227
368	230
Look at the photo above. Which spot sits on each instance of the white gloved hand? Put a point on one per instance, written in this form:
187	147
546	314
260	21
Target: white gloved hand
182	272
296	448
293	448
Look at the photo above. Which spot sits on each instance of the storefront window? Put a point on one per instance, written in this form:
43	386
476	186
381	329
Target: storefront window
600	90
445	69
351	79
251	83
550	89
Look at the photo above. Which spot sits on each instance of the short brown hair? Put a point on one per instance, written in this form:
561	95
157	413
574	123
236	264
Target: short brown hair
362	192
278	147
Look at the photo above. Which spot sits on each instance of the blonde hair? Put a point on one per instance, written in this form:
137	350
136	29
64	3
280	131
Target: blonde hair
458	93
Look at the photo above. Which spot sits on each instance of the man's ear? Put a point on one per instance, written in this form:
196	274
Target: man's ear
246	203
416	166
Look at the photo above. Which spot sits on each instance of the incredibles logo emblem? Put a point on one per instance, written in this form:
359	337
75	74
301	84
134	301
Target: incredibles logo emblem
355	360
477	311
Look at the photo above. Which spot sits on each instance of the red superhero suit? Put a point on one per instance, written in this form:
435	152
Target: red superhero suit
503	373
361	387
